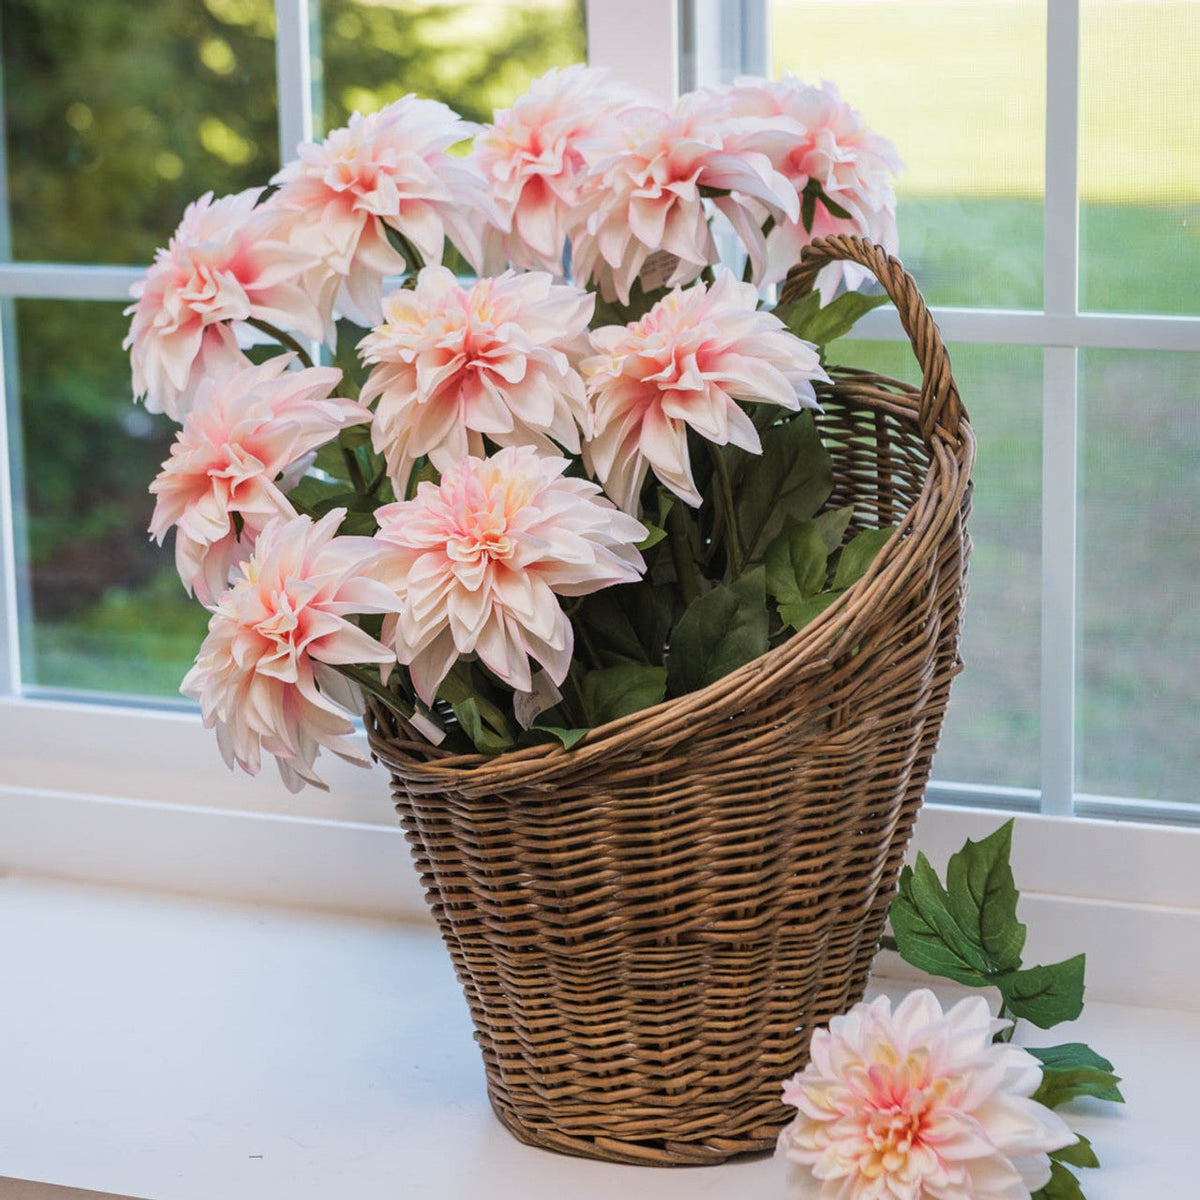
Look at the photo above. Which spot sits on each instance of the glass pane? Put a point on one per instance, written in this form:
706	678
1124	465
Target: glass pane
119	114
959	88
1139	564
991	734
1139	170
474	57
105	609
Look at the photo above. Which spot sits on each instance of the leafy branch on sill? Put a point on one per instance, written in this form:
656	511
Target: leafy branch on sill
967	930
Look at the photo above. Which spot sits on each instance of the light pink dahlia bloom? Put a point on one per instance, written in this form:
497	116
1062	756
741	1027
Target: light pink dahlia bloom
389	170
229	261
495	358
247	428
531	158
684	365
480	560
642	194
831	144
918	1104
264	676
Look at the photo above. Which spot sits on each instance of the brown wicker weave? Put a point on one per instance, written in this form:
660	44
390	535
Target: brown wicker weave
648	927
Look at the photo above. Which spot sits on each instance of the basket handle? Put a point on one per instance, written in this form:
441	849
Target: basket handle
940	404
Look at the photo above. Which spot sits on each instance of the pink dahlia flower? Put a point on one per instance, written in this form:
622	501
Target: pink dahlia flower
642	196
455	363
229	261
389	170
830	143
246	429
480	560
264	676
531	158
918	1104
684	365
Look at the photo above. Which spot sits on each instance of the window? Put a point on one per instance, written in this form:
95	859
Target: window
1050	216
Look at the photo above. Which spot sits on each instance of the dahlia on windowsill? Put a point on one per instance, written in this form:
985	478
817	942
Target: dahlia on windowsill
457	519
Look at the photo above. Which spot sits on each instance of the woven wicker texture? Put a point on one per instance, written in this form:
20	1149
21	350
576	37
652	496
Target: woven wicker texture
648	927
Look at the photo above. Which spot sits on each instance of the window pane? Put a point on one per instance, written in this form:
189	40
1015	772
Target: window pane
474	57
959	88
1140	560
104	609
1139	170
118	114
991	733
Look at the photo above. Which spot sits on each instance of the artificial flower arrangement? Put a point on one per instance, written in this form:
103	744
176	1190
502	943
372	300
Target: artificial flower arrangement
516	507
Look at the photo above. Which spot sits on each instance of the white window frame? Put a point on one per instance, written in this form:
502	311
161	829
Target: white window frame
105	790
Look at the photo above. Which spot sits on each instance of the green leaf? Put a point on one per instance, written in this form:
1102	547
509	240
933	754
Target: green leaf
654	535
791	478
568	737
1078	1154
804	613
1073	1070
331	461
832	526
926	933
481	720
618	691
359	524
796	562
628	623
808	210
983	897
1062	1186
1045	995
717	633
310	492
859	555
808	320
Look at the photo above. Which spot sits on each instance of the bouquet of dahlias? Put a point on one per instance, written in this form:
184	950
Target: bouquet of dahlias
497	439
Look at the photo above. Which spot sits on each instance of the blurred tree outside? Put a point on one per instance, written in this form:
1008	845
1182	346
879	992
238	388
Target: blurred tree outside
117	114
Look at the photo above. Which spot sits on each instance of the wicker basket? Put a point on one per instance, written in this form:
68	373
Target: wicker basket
648	927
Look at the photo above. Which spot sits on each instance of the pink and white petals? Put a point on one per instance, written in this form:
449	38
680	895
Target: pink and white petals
684	365
480	560
229	261
532	159
263	676
918	1104
454	364
388	170
246	429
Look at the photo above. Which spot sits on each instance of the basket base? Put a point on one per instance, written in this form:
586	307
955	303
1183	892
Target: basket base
650	1153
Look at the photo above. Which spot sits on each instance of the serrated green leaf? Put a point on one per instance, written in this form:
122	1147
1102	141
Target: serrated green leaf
1078	1154
1074	1069
353	436
627	624
926	934
1045	995
331	461
1062	1186
792	478
568	737
719	632
859	554
832	526
804	613
310	492
654	535
618	691
1070	1054
824	325
983	897
796	562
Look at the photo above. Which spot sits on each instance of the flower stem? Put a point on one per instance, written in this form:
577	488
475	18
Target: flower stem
737	559
681	554
284	339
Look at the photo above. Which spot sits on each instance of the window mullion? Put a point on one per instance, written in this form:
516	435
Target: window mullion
293	75
1060	410
638	41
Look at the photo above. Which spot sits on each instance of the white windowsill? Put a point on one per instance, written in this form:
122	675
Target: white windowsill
184	1049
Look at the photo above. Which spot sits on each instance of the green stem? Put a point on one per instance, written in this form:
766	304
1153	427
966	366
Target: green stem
737	559
681	554
355	470
284	339
1006	1035
369	682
